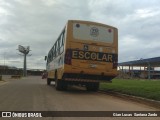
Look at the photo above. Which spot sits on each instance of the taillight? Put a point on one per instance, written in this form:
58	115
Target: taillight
68	57
115	61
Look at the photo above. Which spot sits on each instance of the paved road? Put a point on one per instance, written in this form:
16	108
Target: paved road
32	94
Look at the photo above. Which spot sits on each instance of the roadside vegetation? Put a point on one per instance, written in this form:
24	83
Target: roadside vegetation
143	88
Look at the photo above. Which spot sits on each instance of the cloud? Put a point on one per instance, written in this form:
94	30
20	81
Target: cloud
38	23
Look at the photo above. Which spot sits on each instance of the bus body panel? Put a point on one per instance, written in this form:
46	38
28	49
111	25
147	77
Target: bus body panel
91	61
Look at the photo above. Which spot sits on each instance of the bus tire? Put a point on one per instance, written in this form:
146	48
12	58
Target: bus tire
92	87
64	85
48	81
58	84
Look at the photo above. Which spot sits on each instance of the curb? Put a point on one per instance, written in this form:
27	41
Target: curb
2	82
145	101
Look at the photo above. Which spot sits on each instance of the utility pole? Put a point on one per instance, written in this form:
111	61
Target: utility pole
4	63
25	51
25	68
149	70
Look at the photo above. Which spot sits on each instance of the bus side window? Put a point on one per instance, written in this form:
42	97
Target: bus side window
59	45
62	42
56	49
53	52
49	57
63	37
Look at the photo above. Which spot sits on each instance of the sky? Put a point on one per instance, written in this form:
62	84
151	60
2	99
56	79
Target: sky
38	23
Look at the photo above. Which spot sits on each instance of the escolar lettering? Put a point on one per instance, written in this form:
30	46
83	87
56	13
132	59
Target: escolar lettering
88	55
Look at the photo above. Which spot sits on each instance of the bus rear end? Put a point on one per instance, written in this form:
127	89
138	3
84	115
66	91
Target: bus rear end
91	53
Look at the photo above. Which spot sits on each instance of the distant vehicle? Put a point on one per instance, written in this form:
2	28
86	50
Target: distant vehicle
84	54
44	75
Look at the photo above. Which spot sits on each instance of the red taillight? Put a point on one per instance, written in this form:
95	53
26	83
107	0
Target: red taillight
115	61
68	57
115	65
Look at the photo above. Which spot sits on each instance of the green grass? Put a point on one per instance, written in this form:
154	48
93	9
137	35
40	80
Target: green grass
143	88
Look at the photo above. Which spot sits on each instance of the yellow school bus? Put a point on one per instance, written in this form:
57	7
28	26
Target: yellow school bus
84	54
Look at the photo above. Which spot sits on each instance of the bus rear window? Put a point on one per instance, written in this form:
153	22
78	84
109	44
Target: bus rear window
92	32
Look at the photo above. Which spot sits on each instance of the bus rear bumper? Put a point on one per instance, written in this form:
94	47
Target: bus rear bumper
86	77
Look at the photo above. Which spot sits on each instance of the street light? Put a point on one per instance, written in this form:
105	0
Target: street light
25	51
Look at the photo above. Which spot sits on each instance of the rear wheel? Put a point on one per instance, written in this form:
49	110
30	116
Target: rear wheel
60	84
92	86
64	85
57	82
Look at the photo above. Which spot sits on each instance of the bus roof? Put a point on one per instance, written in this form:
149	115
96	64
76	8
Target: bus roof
91	22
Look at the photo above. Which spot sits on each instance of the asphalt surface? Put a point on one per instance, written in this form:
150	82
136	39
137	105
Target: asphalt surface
32	94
